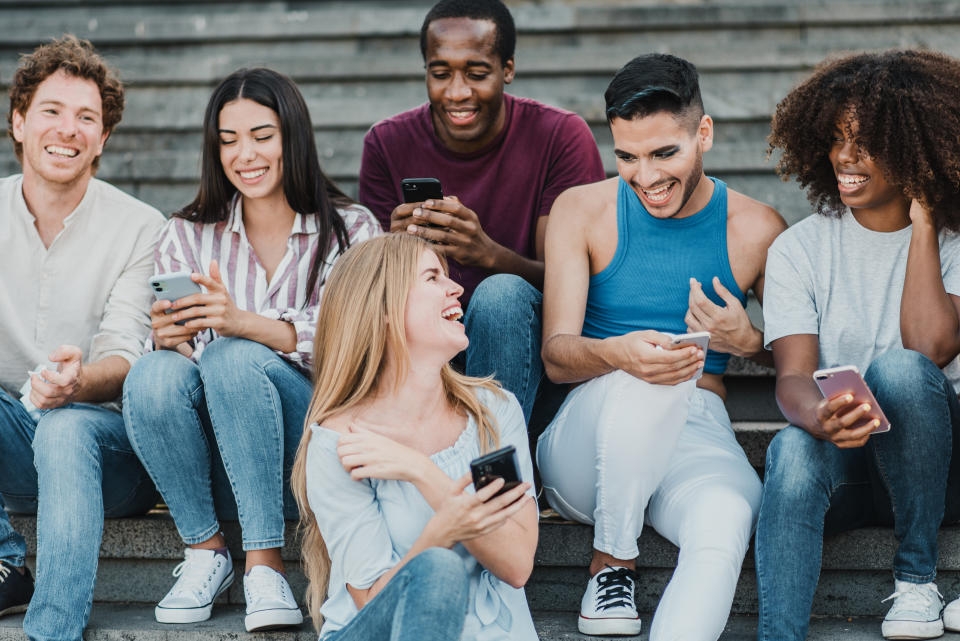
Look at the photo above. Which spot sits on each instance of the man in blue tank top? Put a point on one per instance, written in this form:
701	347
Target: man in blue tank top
658	251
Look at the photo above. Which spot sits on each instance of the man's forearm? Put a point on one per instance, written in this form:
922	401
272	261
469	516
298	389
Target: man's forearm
102	381
507	261
571	359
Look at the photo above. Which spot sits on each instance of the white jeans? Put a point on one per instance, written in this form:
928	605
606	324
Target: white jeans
622	451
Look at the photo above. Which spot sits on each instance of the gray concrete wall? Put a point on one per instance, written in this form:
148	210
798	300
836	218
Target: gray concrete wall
357	62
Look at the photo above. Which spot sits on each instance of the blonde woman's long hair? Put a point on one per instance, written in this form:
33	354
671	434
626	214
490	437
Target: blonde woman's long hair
360	321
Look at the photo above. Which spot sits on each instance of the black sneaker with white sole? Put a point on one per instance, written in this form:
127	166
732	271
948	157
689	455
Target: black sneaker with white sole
16	589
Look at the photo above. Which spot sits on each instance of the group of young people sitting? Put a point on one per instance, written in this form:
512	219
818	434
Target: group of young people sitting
321	370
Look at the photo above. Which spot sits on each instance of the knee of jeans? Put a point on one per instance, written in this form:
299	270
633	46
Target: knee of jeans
61	441
794	464
445	570
722	522
157	376
498	299
231	355
899	370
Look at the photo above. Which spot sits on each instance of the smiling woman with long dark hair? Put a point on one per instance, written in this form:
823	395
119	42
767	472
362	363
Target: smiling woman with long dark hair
872	280
216	409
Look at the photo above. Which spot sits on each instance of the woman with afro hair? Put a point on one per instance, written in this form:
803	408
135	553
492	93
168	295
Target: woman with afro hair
873	281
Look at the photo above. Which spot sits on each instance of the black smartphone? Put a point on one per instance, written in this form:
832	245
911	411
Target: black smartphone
500	464
417	190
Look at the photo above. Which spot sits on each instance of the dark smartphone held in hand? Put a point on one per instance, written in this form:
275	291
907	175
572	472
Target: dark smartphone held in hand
417	190
501	464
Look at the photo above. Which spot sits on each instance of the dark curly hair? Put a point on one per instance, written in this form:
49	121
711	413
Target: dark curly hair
77	58
905	105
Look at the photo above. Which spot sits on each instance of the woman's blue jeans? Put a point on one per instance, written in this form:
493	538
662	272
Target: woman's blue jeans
219	437
908	477
425	601
72	467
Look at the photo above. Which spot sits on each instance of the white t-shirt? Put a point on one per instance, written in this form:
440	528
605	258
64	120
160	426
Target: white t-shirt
833	277
89	288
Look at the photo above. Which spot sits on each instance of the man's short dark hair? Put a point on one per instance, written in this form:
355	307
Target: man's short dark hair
492	10
77	58
653	83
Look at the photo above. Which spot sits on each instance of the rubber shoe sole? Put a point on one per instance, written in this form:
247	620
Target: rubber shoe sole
912	629
14	609
609	626
273	619
191	615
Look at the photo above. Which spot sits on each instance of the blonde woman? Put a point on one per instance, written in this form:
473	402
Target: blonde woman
395	544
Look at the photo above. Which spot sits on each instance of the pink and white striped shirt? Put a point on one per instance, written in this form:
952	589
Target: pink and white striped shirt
187	246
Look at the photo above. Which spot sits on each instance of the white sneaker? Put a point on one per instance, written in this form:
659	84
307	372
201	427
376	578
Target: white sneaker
607	606
951	616
915	613
204	575
270	603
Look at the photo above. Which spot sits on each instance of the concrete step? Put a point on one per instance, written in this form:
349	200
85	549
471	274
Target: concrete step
120	622
138	555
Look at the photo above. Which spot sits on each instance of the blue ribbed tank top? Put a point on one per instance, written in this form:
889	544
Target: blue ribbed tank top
647	284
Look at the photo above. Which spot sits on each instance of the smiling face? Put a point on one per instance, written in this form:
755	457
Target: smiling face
860	180
62	130
251	149
432	314
661	159
465	82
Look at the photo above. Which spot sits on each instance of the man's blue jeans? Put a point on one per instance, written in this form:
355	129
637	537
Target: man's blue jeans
72	467
425	601
503	325
908	477
219	437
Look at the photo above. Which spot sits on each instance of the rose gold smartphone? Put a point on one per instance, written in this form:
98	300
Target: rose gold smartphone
847	380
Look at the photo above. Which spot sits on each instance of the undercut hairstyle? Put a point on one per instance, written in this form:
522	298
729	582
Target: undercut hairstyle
307	189
653	83
76	58
904	106
493	10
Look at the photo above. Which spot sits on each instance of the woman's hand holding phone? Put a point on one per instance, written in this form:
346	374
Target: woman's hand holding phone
214	309
836	418
463	516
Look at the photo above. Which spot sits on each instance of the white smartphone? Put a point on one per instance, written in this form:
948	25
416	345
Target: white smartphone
700	339
173	286
847	380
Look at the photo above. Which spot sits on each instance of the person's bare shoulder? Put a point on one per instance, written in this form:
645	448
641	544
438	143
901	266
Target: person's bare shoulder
582	205
751	222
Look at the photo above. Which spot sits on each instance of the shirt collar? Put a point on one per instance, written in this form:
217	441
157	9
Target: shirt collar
302	224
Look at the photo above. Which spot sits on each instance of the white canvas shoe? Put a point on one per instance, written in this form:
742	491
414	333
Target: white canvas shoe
203	576
915	613
270	603
607	606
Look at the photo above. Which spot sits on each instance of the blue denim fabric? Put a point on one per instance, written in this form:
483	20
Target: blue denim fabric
503	325
908	477
248	402
73	467
425	601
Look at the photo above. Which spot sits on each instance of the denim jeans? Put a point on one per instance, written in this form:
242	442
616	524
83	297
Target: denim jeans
425	601
72	467
219	437
908	477
503	325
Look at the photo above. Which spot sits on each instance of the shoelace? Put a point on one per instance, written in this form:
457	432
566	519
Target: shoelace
913	599
192	579
4	572
262	585
615	588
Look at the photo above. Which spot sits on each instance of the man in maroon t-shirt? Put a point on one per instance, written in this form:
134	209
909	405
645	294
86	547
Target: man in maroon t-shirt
501	161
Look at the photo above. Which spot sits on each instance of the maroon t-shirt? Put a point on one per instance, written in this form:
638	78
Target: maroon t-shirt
541	152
